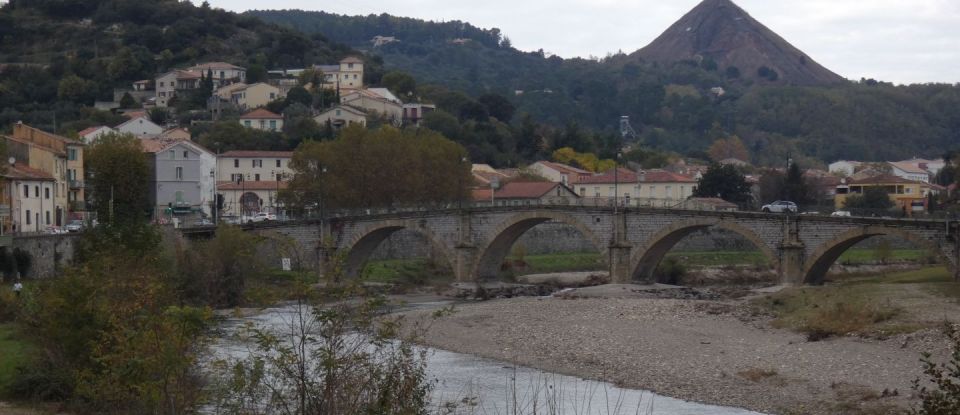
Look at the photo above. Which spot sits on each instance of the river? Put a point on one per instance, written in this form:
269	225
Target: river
494	387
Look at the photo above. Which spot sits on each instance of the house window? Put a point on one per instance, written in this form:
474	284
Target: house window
179	173
161	84
48	217
596	192
246	123
908	190
36	191
26	191
256	177
46	193
653	191
349	66
257	163
173	154
186	154
273	125
278	162
583	192
273	96
338	113
667	191
236	163
263	125
72	154
163	94
28	216
236	177
613	191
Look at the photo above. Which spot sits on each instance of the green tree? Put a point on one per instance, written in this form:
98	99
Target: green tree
299	95
726	183
76	89
943	398
127	101
400	83
120	176
256	73
796	188
343	172
498	106
874	198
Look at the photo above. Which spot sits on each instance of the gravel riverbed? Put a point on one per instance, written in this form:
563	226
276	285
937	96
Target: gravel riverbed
712	352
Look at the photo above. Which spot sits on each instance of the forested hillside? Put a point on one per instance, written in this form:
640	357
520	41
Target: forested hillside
59	56
671	105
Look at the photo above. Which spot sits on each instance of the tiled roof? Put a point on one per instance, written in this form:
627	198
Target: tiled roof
908	167
24	172
626	176
884	179
525	190
261	113
250	154
479	195
563	168
351	59
156	145
90	130
271	185
216	65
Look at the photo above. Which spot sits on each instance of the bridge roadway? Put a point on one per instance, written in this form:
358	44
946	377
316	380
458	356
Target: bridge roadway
632	241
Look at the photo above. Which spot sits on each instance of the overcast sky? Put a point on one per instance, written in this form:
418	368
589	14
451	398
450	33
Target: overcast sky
902	41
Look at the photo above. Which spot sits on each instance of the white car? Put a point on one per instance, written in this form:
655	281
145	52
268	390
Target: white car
74	226
841	214
780	206
260	217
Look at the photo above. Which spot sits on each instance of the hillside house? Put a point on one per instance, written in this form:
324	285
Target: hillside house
558	172
648	188
258	95
375	104
526	193
906	195
910	171
345	76
261	119
413	113
181	178
169	84
90	135
223	73
341	116
140	127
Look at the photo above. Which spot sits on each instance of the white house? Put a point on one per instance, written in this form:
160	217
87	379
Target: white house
254	96
931	166
168	85
371	102
413	113
223	73
90	135
845	167
909	171
261	119
558	172
140	127
341	116
31	198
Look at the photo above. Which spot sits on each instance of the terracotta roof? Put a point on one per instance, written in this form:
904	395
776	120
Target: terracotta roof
135	114
24	172
525	190
216	65
351	59
175	131
908	167
271	185
563	168
261	113
626	176
479	195
156	145
90	130
188	75
250	154
884	179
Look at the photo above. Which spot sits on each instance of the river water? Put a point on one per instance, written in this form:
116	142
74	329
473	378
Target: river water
484	386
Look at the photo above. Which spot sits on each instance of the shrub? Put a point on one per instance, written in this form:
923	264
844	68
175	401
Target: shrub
845	318
670	271
944	399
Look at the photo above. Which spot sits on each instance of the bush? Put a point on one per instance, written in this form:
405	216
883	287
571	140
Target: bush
670	271
945	398
845	318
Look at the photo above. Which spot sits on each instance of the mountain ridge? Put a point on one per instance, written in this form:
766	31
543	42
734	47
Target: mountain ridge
725	33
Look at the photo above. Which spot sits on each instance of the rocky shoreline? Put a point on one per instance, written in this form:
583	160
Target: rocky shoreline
715	352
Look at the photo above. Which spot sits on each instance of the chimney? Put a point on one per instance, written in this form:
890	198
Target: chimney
642	176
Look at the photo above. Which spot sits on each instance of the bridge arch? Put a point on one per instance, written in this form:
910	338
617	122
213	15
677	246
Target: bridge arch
495	249
365	241
818	264
646	259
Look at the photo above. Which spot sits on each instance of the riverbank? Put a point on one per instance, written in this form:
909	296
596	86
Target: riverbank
724	352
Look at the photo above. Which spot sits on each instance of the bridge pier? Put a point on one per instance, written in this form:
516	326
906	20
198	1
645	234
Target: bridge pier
619	252
792	252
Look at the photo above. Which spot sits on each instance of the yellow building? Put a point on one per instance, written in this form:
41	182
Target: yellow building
61	158
906	194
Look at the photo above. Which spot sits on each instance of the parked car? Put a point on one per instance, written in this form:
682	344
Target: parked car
203	222
841	214
780	206
74	226
260	217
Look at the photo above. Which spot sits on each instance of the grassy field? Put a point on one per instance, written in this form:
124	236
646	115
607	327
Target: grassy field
13	354
420	269
882	304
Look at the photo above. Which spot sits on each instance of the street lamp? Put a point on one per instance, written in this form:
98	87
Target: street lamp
463	160
616	183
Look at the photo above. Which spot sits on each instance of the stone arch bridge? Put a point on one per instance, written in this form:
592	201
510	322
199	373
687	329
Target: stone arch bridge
476	241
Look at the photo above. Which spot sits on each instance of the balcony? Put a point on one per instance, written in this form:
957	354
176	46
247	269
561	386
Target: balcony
77	184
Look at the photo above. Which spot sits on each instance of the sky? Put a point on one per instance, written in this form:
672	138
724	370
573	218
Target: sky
901	41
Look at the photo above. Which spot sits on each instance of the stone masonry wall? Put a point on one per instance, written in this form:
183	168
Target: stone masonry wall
49	254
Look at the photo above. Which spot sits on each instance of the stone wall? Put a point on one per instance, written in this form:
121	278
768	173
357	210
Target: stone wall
49	254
